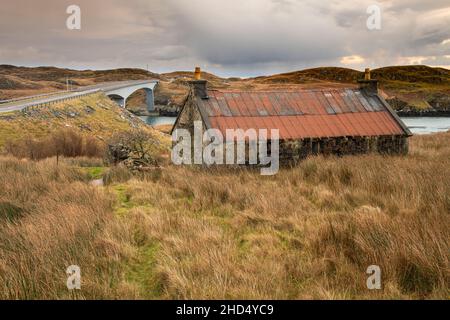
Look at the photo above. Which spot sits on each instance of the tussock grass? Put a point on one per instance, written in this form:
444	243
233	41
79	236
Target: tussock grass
51	219
68	143
308	232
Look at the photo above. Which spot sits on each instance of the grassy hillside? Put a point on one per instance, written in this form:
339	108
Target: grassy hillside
185	233
94	115
420	87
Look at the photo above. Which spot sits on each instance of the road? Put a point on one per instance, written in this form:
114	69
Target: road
109	86
25	102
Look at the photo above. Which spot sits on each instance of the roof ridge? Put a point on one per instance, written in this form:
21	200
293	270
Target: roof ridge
283	90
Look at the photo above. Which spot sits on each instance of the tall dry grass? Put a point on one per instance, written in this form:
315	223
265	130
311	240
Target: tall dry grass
64	143
50	219
309	232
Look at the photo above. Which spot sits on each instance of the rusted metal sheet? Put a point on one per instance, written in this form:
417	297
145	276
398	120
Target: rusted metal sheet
348	101
301	114
317	126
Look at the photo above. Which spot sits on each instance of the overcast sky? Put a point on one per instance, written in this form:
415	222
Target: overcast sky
227	37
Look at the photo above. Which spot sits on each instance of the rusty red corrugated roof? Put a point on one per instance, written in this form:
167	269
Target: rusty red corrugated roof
302	114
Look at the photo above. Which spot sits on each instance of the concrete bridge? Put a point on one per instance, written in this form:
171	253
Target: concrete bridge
117	91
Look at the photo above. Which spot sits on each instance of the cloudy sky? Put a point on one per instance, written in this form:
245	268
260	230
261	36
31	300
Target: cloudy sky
228	37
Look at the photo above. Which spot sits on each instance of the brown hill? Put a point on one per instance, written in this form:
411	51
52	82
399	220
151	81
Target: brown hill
414	74
421	74
406	86
21	81
415	87
334	74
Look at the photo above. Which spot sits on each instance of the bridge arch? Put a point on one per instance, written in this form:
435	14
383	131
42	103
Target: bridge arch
121	101
121	94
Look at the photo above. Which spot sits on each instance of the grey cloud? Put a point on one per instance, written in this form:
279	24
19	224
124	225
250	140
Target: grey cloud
254	35
248	38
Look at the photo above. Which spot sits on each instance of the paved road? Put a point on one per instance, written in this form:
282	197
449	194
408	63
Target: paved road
109	86
22	104
18	105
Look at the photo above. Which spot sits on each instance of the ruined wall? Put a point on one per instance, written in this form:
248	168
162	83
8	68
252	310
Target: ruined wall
188	116
296	150
293	151
186	119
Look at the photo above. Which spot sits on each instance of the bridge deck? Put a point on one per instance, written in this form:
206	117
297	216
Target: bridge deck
110	86
25	102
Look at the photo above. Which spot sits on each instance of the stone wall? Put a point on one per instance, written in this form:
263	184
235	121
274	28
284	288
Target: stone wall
188	116
295	150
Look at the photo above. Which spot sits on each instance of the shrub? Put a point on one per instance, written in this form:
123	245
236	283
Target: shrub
67	143
135	149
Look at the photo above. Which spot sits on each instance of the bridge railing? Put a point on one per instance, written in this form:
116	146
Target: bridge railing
31	97
58	99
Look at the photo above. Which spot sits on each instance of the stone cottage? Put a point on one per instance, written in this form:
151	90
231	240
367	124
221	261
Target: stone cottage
310	122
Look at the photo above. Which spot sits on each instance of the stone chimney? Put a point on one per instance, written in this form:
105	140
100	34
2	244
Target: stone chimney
369	85
199	86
